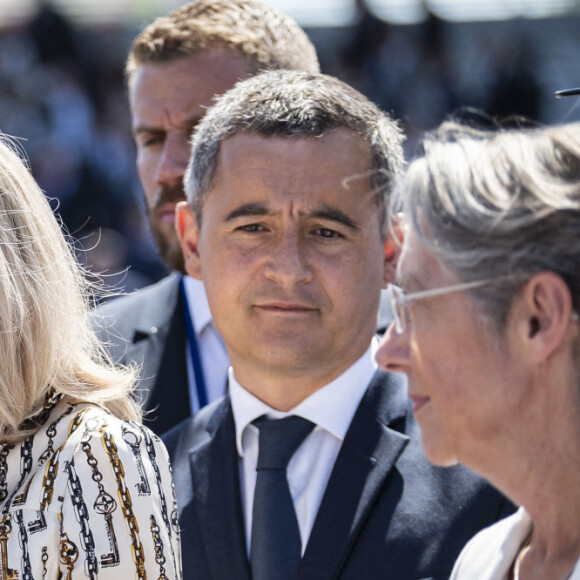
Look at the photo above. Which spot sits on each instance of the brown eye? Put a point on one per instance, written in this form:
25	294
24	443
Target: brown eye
327	233
251	228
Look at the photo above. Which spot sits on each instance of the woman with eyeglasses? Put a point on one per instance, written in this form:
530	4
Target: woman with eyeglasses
486	329
85	489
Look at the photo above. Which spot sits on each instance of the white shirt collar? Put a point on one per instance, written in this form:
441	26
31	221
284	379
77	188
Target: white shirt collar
198	304
331	407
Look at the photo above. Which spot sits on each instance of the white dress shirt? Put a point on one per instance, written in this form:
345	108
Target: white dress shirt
331	409
212	350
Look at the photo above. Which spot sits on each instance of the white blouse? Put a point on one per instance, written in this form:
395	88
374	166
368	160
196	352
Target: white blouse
491	553
87	496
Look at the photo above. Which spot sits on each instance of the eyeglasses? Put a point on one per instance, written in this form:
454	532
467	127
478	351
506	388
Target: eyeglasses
567	93
400	301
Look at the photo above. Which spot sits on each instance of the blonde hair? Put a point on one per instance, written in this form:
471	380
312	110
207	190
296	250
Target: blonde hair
260	34
47	346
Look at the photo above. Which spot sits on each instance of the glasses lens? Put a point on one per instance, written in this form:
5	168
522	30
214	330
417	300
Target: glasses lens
396	299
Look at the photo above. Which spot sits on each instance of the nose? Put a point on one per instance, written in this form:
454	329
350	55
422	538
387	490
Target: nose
393	351
288	262
174	159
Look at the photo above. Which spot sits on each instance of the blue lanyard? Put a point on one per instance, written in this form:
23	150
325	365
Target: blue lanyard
194	350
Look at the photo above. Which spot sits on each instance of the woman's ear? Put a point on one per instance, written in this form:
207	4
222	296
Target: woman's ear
188	233
544	313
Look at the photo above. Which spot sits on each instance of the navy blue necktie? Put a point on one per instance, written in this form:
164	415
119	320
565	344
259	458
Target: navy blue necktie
276	547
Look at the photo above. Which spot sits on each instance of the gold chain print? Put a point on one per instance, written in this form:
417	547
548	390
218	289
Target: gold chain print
126	505
6	573
86	498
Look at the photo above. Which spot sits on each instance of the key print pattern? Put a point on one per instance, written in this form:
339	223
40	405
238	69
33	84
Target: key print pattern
87	496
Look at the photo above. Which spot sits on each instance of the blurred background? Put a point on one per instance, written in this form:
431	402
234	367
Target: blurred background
63	94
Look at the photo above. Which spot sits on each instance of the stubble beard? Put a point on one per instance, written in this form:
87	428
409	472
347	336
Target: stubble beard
167	242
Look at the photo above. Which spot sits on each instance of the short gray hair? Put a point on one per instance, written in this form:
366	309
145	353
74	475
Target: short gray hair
295	104
493	204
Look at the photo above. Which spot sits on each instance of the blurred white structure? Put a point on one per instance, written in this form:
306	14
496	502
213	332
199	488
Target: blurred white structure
308	13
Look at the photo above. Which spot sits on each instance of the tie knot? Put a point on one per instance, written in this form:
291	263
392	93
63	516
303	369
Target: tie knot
279	439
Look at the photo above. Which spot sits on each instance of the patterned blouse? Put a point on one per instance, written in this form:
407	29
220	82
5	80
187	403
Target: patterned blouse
87	496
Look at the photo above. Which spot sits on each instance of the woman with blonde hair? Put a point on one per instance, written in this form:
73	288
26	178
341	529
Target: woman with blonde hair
486	329
85	489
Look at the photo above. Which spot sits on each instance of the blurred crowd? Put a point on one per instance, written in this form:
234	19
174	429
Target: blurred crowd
63	93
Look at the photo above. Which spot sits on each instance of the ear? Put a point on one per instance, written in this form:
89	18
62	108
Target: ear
392	247
392	251
544	311
188	233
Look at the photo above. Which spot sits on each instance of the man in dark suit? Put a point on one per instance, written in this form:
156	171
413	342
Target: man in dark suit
311	467
175	67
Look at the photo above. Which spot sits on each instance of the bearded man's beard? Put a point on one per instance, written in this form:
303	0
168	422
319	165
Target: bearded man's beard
166	239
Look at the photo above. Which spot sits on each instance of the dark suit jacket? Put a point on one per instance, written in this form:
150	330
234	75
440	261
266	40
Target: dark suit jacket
386	513
148	328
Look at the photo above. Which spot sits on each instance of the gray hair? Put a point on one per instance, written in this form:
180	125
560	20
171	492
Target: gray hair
256	32
295	104
499	205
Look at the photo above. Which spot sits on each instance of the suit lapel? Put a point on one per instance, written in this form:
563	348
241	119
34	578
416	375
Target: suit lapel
216	498
169	398
158	345
151	321
369	452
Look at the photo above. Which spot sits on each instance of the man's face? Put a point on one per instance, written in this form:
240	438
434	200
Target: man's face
167	101
292	257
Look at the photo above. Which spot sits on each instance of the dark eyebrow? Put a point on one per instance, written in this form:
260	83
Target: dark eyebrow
145	129
248	209
325	212
191	123
335	215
